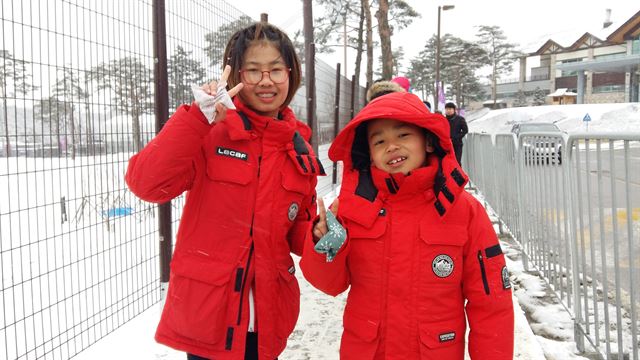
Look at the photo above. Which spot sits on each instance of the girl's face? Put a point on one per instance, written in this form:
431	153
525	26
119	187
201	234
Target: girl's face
263	64
396	146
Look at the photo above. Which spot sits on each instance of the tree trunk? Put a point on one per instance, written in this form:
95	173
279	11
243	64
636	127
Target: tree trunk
359	49
369	40
73	134
493	86
7	145
135	119
385	39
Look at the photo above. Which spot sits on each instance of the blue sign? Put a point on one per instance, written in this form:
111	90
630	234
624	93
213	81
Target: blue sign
586	118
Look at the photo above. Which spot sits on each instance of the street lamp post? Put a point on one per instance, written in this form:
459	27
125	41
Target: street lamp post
435	97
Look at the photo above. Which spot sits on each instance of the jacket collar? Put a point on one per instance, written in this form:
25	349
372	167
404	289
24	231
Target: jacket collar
272	131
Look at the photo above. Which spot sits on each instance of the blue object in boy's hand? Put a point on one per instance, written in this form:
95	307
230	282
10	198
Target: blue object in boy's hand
332	241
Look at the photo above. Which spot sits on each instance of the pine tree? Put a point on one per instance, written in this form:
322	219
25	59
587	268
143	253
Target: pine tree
521	99
539	97
217	40
14	80
68	91
53	113
501	54
183	71
131	83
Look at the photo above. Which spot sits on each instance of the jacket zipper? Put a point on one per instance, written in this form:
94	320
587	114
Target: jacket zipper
244	283
246	272
483	272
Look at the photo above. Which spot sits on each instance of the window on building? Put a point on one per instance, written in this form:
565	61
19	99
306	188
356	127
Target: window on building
568	73
610	56
635	45
608	89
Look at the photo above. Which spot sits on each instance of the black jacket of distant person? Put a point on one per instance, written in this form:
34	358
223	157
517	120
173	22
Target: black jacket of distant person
458	127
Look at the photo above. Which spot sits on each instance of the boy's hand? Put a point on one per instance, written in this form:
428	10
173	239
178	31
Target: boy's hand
320	228
331	233
213	98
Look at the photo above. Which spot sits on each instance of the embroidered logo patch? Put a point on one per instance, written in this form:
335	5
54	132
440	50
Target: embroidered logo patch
442	265
293	211
450	336
506	284
232	153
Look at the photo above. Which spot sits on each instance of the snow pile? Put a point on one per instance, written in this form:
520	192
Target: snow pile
622	117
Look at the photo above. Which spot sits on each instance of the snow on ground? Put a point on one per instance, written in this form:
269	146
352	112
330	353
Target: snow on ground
317	334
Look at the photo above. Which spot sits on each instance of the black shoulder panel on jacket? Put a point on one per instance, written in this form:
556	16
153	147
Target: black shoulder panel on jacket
365	187
299	144
245	120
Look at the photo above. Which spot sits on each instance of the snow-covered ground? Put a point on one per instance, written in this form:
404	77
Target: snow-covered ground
317	334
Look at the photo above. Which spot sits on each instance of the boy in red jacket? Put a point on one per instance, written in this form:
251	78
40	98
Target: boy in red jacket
421	257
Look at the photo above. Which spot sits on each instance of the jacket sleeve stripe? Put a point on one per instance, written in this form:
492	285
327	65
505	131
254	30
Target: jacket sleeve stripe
493	251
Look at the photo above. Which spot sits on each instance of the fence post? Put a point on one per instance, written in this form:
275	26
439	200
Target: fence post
336	122
161	84
310	71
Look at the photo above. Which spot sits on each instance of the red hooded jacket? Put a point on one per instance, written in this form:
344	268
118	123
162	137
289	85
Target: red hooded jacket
250	186
420	253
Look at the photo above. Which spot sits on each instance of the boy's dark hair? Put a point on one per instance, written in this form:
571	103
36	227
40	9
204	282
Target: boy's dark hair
450	105
361	157
267	33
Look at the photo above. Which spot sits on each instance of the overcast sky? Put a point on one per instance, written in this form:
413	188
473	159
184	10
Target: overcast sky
527	23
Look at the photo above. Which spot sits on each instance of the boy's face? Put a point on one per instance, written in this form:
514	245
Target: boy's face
396	146
449	111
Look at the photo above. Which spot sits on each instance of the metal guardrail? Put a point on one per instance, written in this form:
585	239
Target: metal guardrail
572	203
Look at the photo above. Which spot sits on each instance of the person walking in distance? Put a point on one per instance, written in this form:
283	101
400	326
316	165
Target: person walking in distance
250	177
458	127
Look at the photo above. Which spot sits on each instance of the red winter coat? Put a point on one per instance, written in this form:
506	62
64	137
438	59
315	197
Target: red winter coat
251	193
418	255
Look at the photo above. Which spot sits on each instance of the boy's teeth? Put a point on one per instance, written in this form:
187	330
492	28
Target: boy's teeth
396	160
265	95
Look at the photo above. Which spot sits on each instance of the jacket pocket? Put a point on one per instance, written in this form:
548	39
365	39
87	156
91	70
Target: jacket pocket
360	338
296	183
493	270
196	305
442	340
442	252
358	231
229	170
288	302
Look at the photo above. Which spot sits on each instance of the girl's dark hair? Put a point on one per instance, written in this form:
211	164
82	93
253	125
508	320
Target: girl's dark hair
267	33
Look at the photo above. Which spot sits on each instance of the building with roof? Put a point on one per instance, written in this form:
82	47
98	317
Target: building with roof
593	67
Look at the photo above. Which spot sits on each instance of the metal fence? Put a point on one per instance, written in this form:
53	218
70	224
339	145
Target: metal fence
78	252
573	204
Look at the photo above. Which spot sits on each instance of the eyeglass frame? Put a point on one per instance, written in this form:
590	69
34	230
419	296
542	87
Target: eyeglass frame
242	71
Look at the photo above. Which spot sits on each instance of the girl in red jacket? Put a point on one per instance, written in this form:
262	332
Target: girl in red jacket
250	177
421	257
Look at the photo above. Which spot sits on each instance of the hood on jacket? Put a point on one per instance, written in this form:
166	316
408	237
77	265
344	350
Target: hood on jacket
399	106
351	145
